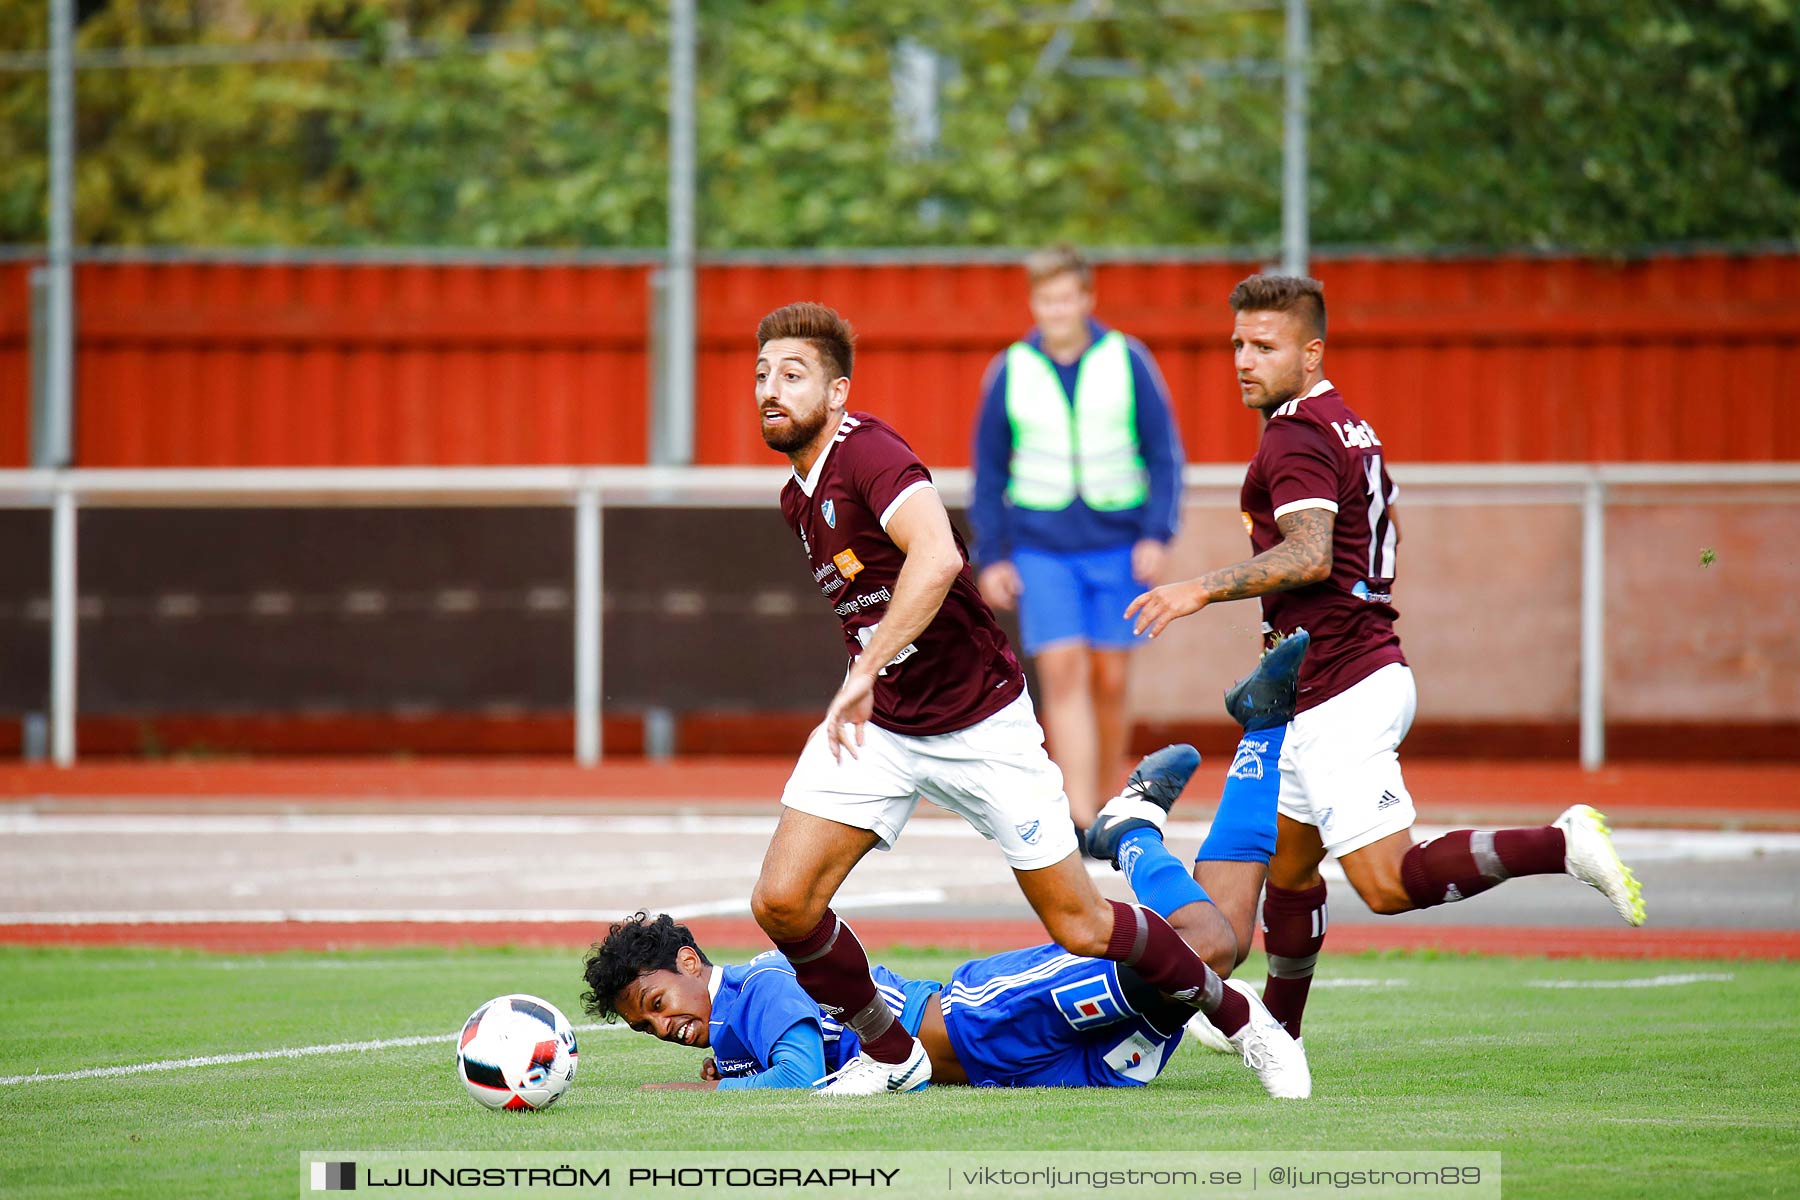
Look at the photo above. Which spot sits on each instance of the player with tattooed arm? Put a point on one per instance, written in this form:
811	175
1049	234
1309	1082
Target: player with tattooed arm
1319	507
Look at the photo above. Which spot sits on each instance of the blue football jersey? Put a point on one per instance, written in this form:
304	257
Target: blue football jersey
1046	1018
756	1003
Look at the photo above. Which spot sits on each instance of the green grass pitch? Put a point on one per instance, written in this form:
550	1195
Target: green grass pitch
1687	1090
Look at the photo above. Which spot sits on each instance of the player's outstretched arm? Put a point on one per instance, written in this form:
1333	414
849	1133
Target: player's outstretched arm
921	529
1302	557
796	1060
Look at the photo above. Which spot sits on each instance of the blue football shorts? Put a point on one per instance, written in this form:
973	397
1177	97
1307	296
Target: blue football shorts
1076	597
1045	1018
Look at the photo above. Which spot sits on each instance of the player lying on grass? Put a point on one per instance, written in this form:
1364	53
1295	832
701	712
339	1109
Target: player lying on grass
1040	1017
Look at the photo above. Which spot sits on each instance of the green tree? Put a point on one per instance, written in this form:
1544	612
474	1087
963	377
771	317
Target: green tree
1595	124
1556	122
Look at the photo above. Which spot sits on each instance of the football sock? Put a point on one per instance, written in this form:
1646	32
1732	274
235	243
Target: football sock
1293	924
1156	876
833	968
1468	862
1243	826
1148	944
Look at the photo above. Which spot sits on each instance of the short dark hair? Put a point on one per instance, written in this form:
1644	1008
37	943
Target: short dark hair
635	946
1042	266
819	324
1283	293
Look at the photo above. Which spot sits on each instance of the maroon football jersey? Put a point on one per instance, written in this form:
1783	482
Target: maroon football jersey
960	670
1316	453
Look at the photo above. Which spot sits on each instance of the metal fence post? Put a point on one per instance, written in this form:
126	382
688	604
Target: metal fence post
588	603
53	440
1294	232
1593	623
672	433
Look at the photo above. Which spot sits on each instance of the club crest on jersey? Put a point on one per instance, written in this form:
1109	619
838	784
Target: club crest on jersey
848	565
1087	1002
828	510
1249	761
1030	832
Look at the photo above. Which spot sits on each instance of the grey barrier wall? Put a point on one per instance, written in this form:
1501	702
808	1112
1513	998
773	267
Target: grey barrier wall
1683	614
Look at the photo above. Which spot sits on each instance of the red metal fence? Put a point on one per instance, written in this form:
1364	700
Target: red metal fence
1671	358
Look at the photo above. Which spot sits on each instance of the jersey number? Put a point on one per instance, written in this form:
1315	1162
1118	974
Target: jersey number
1384	540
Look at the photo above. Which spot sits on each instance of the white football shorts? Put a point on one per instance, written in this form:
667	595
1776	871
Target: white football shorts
1340	764
995	774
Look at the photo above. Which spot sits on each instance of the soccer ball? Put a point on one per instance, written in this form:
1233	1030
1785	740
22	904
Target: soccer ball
516	1052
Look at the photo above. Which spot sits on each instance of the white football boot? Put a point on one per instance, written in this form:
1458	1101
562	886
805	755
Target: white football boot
1589	856
1203	1034
865	1076
1270	1051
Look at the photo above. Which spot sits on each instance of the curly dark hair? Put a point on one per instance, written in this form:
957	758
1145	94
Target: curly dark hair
632	947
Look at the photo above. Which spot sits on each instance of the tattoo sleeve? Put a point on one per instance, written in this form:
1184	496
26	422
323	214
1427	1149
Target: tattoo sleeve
1302	557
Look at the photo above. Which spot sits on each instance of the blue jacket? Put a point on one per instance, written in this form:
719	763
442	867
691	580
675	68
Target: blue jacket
999	527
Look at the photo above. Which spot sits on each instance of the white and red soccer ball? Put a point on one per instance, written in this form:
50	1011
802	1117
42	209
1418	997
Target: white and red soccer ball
516	1052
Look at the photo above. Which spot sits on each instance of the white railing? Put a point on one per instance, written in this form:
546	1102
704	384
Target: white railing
588	490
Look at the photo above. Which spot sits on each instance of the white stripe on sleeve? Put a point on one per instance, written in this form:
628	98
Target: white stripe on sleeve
905	495
1297	505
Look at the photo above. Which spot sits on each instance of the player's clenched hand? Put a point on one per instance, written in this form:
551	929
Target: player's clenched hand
1147	558
709	1070
1000	586
1157	607
850	708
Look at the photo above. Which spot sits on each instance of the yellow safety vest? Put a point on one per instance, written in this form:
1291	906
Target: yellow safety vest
1088	448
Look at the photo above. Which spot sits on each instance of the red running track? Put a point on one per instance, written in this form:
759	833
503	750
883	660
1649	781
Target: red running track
982	936
1718	791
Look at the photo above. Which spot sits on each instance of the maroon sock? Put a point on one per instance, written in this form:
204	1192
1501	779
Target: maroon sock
1468	862
833	968
1293	923
1539	851
1232	1014
1149	945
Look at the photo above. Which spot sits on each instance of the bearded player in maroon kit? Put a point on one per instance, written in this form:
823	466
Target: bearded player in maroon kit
1318	504
934	705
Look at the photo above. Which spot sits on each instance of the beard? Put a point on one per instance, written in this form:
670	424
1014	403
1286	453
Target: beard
1277	392
800	429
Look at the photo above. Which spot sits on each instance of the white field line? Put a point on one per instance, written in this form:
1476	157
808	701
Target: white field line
1647	982
215	1060
456	916
1355	982
28	823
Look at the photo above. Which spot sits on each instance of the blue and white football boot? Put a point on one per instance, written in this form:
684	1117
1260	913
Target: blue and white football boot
1145	803
1266	696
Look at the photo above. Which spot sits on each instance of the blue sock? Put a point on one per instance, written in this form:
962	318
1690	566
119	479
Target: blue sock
1243	826
1162	884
